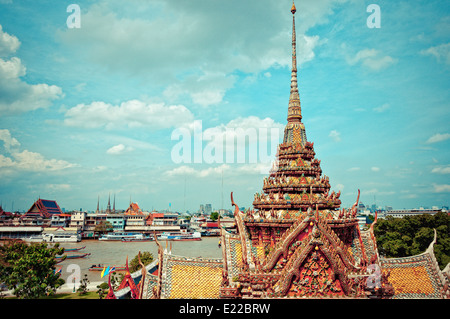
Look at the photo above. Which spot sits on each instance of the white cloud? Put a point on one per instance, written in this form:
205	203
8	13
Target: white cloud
335	135
119	149
182	44
375	169
242	140
8	43
354	169
441	188
382	108
371	58
235	170
185	170
205	90
207	98
438	138
17	96
133	113
375	191
252	128
58	187
8	141
441	170
32	161
222	36
26	160
440	52
409	196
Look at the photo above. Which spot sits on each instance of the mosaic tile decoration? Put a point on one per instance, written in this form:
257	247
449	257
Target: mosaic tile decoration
413	277
151	281
194	278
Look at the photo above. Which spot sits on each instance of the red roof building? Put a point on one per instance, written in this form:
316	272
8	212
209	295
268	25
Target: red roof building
134	209
43	208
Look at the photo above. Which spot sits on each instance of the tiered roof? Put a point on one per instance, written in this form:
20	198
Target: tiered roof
43	208
311	248
295	182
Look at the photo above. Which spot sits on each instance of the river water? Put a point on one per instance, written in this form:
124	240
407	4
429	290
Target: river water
115	253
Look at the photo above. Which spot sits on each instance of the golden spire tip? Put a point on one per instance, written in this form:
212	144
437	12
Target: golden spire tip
293	10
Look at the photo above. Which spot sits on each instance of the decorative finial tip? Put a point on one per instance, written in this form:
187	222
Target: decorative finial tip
293	10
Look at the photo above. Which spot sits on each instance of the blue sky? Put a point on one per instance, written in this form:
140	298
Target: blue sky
90	111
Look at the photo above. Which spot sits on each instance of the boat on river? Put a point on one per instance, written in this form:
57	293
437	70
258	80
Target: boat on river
122	236
61	258
138	238
74	249
180	236
54	237
100	267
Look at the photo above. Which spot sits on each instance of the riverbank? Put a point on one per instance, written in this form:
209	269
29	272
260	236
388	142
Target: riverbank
116	253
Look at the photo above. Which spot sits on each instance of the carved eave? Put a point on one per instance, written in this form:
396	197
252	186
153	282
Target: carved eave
441	274
317	242
242	230
315	228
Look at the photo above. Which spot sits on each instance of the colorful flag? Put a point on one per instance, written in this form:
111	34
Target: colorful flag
103	272
106	272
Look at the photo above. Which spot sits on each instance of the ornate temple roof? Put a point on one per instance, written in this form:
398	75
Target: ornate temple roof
417	276
196	278
297	242
288	269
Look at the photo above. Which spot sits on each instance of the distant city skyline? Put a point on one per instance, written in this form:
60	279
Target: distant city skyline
97	108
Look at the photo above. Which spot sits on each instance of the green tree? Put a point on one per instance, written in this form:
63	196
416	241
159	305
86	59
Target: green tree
146	258
103	289
400	237
29	269
214	216
83	289
103	227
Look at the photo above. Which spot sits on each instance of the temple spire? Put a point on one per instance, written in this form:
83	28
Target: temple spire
294	40
295	129
294	113
108	208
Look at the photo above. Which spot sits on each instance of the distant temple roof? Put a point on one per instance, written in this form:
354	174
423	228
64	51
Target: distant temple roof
44	208
134	209
4	213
